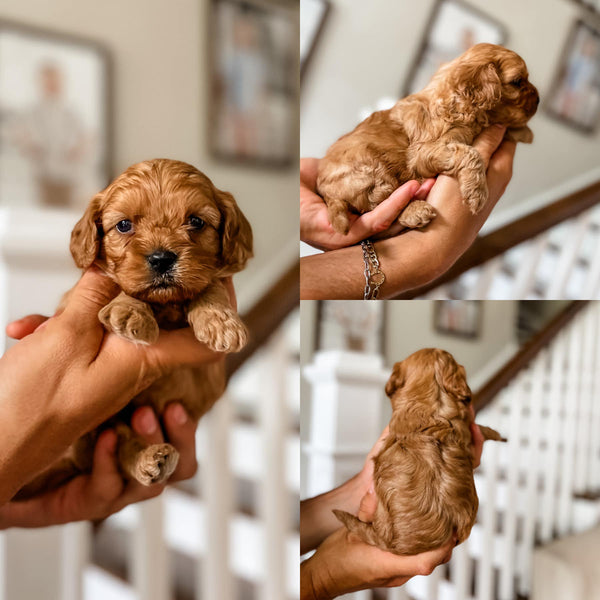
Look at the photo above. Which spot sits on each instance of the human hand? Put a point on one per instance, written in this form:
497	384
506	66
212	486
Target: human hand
96	495
343	563
70	375
316	229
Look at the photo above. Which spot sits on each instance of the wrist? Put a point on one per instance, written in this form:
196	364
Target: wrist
311	584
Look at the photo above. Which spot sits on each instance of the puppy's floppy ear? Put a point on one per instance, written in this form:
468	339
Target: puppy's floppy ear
478	87
236	235
396	379
451	377
85	237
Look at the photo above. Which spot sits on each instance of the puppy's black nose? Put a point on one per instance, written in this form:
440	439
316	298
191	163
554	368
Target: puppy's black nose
161	261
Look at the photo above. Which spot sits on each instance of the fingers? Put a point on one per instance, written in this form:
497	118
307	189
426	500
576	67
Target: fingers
423	191
181	432
477	448
145	423
500	169
426	562
487	142
383	216
309	168
25	326
93	291
105	482
179	347
368	506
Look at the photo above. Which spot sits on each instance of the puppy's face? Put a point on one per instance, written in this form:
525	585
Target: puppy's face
163	232
430	384
491	79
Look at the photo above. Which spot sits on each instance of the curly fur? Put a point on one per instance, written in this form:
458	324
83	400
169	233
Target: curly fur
430	133
424	473
159	197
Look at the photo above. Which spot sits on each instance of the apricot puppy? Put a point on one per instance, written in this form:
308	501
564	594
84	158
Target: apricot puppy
430	133
424	473
167	236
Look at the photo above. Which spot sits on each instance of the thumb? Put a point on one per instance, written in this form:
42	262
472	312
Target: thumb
487	142
368	506
93	291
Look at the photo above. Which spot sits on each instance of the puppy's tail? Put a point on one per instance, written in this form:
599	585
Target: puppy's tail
364	531
491	434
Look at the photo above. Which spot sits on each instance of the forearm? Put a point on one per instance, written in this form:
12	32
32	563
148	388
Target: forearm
317	520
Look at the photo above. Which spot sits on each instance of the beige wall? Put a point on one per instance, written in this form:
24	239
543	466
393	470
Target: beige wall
368	47
160	83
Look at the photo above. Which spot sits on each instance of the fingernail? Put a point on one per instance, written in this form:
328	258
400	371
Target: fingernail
147	421
179	415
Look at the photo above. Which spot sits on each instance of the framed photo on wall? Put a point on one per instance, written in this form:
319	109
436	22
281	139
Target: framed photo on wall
55	118
313	15
454	26
459	318
253	108
574	98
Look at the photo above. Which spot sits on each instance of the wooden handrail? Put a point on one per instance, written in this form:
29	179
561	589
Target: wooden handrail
267	314
497	242
525	355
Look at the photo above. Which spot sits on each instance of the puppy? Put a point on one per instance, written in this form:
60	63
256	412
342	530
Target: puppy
424	473
430	133
167	236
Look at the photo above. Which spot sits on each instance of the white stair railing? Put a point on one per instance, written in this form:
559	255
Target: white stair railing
560	263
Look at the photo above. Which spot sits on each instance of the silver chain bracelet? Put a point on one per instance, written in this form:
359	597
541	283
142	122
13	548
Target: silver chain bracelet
374	276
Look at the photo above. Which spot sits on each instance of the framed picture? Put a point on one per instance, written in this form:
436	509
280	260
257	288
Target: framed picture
313	14
575	93
453	28
351	325
55	118
460	318
253	108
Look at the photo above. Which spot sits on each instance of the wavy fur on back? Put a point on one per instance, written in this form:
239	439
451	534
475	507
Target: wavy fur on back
430	133
424	473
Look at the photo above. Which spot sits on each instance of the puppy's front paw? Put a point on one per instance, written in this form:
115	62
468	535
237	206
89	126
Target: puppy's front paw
417	214
136	324
155	464
221	330
475	197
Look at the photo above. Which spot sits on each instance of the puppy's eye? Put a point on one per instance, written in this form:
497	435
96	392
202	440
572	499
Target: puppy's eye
124	226
196	222
517	82
466	400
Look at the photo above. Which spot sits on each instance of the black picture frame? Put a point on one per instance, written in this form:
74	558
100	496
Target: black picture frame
577	108
311	30
458	318
253	84
425	63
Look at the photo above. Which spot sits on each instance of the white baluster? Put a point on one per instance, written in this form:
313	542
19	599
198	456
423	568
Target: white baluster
537	396
591	288
485	561
518	393
582	455
525	276
274	418
567	257
76	540
594	464
150	556
461	571
488	271
398	593
215	486
551	431
572	391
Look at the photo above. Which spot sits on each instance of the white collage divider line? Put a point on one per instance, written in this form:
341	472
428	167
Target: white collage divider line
594	467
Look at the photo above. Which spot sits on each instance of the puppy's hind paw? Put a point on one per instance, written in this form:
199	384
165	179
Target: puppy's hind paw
417	214
156	464
221	331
